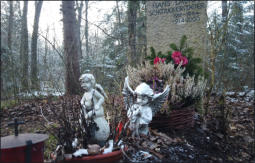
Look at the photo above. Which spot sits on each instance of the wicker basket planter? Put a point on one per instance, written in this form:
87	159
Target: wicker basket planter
177	119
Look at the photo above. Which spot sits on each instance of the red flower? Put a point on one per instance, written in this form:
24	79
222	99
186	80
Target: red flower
177	57
177	60
163	60
176	54
158	60
184	60
118	129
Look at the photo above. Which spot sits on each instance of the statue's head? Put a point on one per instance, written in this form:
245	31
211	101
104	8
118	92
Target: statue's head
144	94
87	81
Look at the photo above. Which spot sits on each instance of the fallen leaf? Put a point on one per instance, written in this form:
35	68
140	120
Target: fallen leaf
232	127
152	138
157	149
219	135
245	155
217	143
230	158
240	126
248	139
159	141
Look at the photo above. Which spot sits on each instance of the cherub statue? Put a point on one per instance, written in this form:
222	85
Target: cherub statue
92	109
142	104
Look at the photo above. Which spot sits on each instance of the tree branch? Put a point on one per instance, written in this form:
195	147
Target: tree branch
102	29
53	46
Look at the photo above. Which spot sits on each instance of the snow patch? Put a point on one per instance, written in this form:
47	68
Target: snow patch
109	149
232	99
251	93
109	76
40	93
230	93
80	152
242	51
241	93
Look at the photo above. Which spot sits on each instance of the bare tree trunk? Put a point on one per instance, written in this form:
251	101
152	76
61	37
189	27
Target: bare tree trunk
10	26
86	28
10	35
132	11
119	22
141	34
224	10
79	7
212	67
24	48
72	67
19	8
46	48
224	14
224	39
34	69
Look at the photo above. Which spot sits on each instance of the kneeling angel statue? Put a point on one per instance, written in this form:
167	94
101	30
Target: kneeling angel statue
142	104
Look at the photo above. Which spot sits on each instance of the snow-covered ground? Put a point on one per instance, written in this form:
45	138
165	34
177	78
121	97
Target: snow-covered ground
40	93
247	95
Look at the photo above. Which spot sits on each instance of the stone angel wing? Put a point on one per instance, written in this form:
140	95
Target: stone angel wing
129	94
158	100
101	90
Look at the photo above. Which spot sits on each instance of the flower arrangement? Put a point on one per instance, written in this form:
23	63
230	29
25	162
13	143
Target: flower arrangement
181	54
178	69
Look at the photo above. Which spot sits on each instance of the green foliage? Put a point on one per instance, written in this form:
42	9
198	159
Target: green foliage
50	145
154	55
234	46
8	103
194	64
174	47
183	42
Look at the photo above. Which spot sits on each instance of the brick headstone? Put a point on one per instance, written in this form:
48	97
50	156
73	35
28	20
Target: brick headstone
168	21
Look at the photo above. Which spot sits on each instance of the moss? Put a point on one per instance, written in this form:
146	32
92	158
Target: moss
8	103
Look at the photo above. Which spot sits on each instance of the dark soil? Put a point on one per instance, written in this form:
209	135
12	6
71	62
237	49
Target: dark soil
212	139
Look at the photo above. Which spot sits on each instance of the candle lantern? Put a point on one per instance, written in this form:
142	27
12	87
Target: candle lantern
22	148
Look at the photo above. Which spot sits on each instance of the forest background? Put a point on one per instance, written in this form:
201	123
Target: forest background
39	58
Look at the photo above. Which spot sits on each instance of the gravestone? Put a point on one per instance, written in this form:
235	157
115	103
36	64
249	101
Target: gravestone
168	21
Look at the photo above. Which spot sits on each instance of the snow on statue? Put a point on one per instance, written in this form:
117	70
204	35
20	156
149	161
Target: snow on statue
142	104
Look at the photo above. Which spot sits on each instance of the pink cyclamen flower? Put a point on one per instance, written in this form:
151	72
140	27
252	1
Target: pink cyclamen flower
158	60
176	54
184	60
177	57
163	60
177	60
